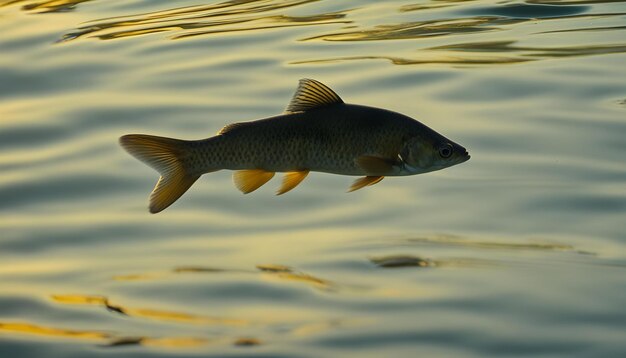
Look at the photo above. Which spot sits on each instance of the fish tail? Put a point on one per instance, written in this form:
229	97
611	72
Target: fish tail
171	158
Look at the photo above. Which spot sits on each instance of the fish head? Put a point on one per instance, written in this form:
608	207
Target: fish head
431	151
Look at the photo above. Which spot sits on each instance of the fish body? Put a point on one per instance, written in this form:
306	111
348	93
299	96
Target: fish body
318	132
327	139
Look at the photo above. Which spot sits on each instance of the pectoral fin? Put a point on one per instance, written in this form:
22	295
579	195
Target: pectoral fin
250	180
291	180
365	181
375	165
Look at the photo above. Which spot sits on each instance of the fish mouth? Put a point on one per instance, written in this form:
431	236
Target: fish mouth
465	157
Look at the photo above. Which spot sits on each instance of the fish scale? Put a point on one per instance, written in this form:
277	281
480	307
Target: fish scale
318	132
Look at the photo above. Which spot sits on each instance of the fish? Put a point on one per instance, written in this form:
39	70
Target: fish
318	132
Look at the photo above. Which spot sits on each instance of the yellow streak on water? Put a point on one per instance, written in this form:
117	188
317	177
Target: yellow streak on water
162	315
183	317
313	281
462	241
274	268
228	16
44	5
106	339
80	299
27	328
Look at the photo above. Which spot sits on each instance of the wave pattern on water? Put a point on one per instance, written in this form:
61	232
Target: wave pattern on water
232	326
477	53
500	52
275	272
229	16
532	227
422	29
44	6
456	18
105	339
148	313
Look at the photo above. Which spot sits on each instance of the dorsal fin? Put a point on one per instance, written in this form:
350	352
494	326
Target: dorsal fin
312	94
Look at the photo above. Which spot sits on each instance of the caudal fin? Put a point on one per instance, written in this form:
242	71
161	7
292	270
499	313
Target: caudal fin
168	156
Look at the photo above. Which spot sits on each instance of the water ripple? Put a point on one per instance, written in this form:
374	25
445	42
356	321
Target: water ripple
419	29
473	53
528	11
105	338
45	6
532	228
228	16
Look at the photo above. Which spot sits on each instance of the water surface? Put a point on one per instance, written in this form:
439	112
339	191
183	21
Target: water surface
518	252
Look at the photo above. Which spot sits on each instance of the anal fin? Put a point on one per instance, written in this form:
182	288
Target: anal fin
365	181
250	180
291	180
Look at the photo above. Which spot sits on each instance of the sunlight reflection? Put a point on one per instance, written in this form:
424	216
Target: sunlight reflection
228	16
43	6
148	313
105	339
461	241
27	328
419	29
500	52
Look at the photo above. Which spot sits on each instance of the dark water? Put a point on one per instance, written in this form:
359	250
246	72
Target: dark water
519	252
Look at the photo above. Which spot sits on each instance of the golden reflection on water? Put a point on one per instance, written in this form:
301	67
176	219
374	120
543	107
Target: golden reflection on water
44	6
274	268
310	280
586	29
424	59
435	4
228	16
289	322
27	328
175	270
419	29
147	313
286	273
268	271
500	52
260	15
105	339
452	240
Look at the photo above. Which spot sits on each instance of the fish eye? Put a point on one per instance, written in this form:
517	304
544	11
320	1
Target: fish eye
445	151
